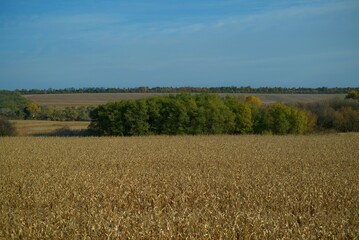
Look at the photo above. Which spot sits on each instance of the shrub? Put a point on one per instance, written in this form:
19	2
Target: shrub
6	128
353	95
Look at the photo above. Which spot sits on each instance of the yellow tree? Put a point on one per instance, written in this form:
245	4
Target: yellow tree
32	110
254	100
353	95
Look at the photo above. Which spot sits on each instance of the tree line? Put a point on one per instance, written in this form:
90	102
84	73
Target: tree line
339	115
197	114
32	111
232	89
15	106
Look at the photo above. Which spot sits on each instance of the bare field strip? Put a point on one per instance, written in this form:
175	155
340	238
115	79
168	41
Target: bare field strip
195	187
38	127
86	99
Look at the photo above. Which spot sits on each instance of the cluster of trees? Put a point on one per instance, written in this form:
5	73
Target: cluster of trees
15	106
336	115
33	111
248	89
196	114
12	104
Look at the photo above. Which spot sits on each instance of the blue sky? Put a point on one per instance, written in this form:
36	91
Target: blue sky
91	43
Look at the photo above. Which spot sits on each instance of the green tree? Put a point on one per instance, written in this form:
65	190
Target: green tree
280	115
242	116
194	114
281	119
124	118
218	118
135	118
173	116
191	117
298	120
12	104
262	121
154	115
71	114
83	113
103	120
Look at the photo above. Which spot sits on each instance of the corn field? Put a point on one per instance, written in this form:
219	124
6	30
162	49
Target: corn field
180	187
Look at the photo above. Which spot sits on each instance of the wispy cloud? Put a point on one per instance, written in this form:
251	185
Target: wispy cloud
284	14
119	26
161	40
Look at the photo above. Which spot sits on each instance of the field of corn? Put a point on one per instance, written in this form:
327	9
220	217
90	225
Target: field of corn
194	187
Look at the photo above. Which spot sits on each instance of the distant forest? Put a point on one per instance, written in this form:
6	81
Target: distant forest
248	89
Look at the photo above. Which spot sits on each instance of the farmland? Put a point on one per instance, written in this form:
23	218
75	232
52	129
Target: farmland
41	127
87	99
196	187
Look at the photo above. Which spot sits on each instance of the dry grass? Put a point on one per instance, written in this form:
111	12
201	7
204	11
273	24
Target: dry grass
38	127
86	99
215	187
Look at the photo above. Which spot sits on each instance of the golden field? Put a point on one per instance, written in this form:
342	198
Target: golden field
43	127
194	187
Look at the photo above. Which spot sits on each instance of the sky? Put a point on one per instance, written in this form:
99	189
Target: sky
199	43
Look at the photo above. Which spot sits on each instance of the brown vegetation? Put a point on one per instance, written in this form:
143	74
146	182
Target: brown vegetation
6	127
204	187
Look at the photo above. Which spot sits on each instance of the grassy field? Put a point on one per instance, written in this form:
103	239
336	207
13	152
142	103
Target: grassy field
203	187
39	127
86	99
